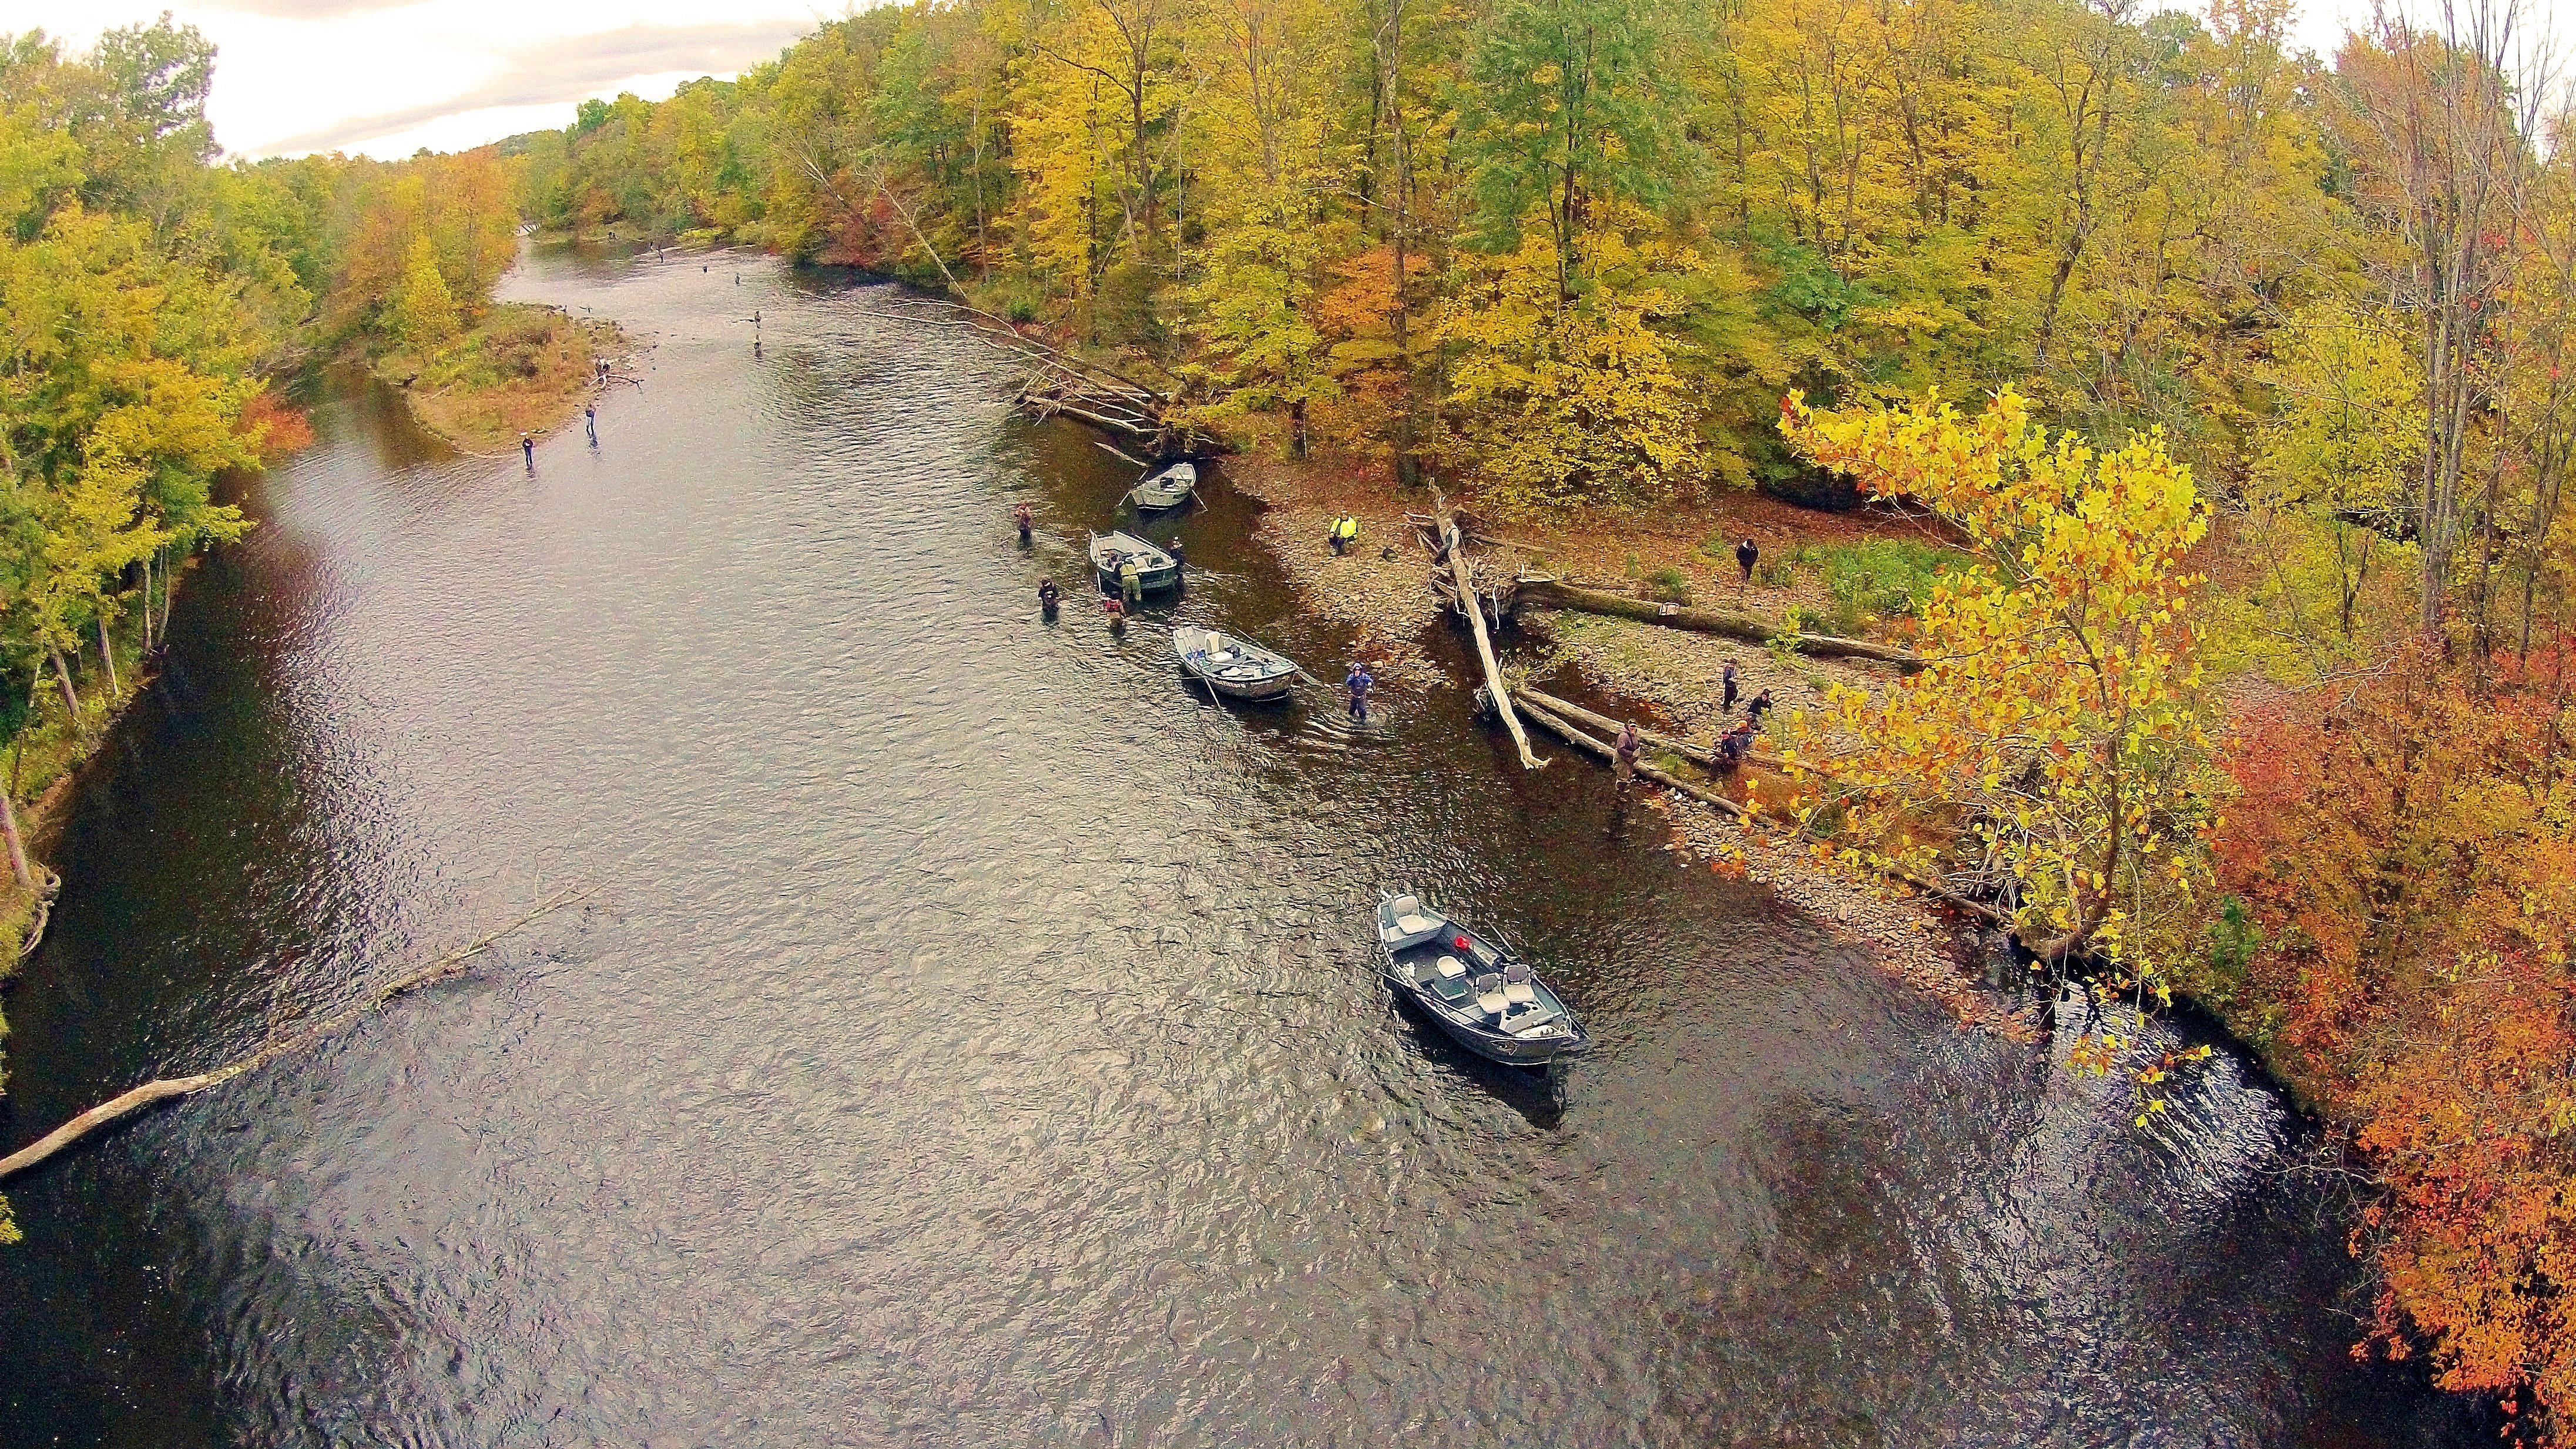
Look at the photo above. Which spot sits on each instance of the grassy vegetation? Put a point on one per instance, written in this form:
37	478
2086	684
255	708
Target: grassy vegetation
523	369
1877	578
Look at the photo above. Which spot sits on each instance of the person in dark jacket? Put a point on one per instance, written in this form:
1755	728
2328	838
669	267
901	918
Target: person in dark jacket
1746	555
1726	680
1753	712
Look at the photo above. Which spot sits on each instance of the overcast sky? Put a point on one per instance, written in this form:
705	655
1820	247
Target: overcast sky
386	77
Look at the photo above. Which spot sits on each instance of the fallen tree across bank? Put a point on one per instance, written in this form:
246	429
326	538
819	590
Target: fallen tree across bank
1545	709
116	1109
1556	594
1455	551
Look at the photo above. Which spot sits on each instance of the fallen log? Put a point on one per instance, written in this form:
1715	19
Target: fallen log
1539	711
1580	715
1484	643
118	1108
1553	594
1573	736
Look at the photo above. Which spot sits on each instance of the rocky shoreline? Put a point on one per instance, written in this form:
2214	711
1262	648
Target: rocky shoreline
1667	679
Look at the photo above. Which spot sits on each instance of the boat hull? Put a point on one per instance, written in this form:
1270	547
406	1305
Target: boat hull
1493	1046
1153	581
1259	691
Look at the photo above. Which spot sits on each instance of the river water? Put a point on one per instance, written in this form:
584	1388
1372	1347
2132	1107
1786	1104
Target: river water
973	1040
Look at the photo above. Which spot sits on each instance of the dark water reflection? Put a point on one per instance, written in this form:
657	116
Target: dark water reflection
974	1041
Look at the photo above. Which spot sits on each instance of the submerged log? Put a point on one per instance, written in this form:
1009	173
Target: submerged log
116	1109
1557	595
1484	644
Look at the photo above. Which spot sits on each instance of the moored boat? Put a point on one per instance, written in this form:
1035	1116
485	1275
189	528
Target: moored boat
1235	668
1170	488
1155	569
1468	981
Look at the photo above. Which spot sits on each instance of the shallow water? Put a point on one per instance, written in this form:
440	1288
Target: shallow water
973	1040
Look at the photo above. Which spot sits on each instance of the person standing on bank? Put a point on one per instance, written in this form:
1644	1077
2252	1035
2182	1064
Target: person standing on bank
1726	683
1746	555
590	422
1623	756
528	450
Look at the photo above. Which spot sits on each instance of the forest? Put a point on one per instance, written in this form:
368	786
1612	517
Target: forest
155	302
2236	376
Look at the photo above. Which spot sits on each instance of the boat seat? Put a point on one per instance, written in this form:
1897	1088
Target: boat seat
1517	971
1491	1003
1412	925
1519	993
1449	967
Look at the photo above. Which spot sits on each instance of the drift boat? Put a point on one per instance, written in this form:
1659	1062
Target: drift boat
1155	568
1494	1005
1235	668
1168	489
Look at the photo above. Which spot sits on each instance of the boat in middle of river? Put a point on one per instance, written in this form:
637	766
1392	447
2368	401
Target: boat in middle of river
1492	1003
1155	569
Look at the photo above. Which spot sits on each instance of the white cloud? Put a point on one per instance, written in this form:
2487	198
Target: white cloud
384	77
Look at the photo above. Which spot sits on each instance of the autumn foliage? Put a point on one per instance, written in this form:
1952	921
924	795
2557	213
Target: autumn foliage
2056	721
2406	861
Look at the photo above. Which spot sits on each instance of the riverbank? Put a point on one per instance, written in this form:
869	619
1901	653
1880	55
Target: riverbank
1666	679
45	757
524	369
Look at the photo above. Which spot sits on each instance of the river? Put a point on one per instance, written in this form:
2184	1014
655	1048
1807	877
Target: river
973	1040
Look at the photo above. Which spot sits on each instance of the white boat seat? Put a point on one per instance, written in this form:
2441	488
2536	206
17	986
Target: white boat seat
1491	1003
1449	967
1411	925
1519	993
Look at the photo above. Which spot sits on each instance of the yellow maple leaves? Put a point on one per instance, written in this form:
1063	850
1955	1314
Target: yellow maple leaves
2055	727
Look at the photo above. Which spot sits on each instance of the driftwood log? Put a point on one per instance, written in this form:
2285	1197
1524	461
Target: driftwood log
116	1109
1457	551
1574	735
1566	709
1554	594
1545	709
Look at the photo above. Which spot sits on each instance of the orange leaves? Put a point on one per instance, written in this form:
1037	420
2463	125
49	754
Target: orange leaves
2405	857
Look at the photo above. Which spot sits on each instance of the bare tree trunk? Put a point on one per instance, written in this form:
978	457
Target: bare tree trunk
71	697
17	843
147	603
107	656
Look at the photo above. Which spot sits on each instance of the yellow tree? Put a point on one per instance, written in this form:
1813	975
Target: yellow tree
424	310
1266	157
2335	458
2054	729
1568	402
